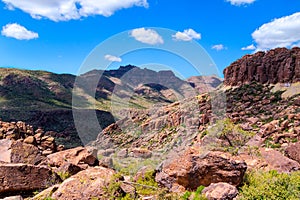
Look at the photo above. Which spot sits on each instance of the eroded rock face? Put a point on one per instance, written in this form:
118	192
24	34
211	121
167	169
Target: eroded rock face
279	65
16	178
220	191
92	182
19	152
191	170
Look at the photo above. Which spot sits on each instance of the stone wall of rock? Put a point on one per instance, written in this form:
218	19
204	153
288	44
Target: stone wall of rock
279	65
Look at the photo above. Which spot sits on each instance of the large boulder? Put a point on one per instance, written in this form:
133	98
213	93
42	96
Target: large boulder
19	152
16	178
277	161
91	183
192	169
220	191
77	156
293	151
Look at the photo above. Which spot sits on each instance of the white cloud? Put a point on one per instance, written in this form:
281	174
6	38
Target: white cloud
282	32
187	35
64	10
147	36
18	32
218	47
250	47
240	2
112	58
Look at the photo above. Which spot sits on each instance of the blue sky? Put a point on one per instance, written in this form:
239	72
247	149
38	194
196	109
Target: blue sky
58	35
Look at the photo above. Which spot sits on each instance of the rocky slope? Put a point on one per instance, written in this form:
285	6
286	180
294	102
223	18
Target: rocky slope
279	65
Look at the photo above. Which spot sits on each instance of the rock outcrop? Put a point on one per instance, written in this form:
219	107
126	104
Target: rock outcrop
279	65
192	169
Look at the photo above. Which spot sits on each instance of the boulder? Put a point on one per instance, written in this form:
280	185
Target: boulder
76	156
68	169
19	152
90	183
220	191
16	178
192	169
140	153
293	151
278	162
45	193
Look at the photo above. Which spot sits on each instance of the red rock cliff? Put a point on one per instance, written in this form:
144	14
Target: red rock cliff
279	65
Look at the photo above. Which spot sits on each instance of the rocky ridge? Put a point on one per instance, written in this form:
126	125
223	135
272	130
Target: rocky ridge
279	65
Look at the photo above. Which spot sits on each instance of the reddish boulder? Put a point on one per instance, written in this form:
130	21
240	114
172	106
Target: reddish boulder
220	191
293	151
191	170
19	152
278	162
76	156
87	184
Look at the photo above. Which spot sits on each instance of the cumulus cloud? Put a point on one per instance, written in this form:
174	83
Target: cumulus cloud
240	2
147	36
282	32
64	10
187	35
112	58
218	47
250	47
18	32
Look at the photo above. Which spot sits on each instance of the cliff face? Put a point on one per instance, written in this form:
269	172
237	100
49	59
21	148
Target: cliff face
279	65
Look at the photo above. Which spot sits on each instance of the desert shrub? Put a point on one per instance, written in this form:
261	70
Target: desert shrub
233	135
147	184
270	186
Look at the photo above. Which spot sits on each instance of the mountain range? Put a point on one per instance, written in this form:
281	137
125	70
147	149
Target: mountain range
44	99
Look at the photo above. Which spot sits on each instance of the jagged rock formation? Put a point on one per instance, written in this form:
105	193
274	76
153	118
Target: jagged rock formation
279	65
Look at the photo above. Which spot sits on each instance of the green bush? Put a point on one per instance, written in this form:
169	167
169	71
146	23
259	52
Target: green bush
270	186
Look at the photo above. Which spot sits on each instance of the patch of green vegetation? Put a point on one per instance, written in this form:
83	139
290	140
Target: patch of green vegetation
63	175
270	144
270	186
147	184
130	166
113	187
188	195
